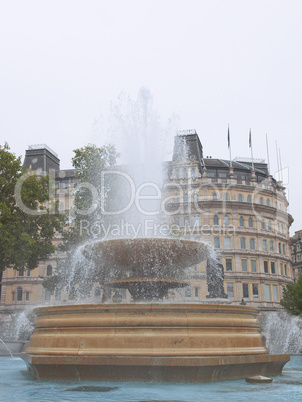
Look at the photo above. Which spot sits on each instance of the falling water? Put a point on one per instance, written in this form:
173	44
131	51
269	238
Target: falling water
6	347
283	332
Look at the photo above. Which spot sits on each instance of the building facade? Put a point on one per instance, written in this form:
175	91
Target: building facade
296	251
235	206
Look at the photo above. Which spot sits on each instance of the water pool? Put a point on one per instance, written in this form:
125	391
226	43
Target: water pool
17	385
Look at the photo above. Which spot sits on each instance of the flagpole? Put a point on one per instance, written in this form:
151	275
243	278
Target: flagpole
267	151
229	146
251	146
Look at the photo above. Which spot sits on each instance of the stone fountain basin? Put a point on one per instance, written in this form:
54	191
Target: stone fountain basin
146	255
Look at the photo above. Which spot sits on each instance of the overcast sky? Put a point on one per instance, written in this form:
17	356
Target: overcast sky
213	63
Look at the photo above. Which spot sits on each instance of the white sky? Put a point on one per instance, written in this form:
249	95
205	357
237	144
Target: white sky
213	63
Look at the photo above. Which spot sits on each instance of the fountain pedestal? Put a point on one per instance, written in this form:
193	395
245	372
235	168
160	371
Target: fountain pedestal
149	342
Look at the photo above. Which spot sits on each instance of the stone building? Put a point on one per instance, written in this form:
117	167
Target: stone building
296	252
237	207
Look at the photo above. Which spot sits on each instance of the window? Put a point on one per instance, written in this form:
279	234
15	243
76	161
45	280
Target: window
176	221
216	242
249	199
196	197
227	242
214	197
267	292
263	224
228	264
193	173
252	244
49	270
196	292
97	293
230	289
275	292
265	266
283	248
188	291
185	173
269	225
21	272
240	197
264	245
268	202
273	267
216	220
19	294
241	221
186	198
281	268
13	296
271	246
176	198
255	290
245	290
226	220
244	265
187	220
28	272
279	248
285	270
261	201
26	296
251	222
196	220
47	295
253	265
242	243
225	197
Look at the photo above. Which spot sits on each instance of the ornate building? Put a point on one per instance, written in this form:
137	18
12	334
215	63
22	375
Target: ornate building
236	207
296	251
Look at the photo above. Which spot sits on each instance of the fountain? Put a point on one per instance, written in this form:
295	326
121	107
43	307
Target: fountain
154	340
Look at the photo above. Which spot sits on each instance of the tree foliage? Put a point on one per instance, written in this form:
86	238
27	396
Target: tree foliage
292	298
25	238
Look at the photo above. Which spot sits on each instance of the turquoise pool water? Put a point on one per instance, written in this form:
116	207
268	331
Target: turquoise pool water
17	385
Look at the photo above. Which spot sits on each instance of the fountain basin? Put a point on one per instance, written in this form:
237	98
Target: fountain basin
149	342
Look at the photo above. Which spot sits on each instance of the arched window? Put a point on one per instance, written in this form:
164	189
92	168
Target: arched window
279	248
261	201
263	224
242	243
225	197
252	244
49	270
19	294
226	220
269	225
240	197
241	221
249	199
214	197
251	222
268	202
97	293
216	220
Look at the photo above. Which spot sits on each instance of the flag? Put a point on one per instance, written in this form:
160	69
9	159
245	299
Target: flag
229	142
250	139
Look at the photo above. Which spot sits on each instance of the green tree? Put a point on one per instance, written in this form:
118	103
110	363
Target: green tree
26	227
292	298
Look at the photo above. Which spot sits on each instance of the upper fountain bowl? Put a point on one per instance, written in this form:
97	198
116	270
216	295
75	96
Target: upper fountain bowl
146	255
